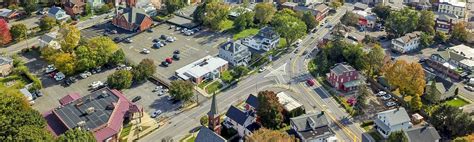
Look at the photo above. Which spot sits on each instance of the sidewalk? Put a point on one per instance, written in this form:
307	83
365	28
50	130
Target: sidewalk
139	130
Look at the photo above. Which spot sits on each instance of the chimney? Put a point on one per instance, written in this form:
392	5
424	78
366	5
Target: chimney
90	110
81	124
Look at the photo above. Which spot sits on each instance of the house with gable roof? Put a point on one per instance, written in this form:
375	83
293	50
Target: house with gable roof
266	39
235	53
132	18
313	127
407	43
392	120
422	134
58	14
344	77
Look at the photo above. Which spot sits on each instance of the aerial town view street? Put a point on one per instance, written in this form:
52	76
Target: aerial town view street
237	70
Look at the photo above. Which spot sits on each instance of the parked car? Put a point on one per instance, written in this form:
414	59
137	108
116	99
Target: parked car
178	28
158	45
113	32
165	64
37	93
145	51
158	88
169	60
85	74
128	40
59	76
150	30
176	57
390	104
381	93
171	27
170	39
163	37
155	113
176	52
117	39
310	82
96	84
50	68
137	98
156	40
261	70
386	97
469	88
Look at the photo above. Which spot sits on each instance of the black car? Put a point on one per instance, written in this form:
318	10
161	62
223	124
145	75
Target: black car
38	93
164	63
163	37
156	40
137	98
150	30
117	39
176	57
176	52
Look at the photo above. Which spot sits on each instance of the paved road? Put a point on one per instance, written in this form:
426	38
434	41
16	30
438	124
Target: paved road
13	49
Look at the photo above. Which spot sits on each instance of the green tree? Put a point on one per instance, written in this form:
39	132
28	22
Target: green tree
85	57
215	14
363	94
65	62
77	135
408	77
451	121
145	69
88	9
335	4
426	40
18	31
398	136
440	37
174	5
289	27
17	116
266	135
226	77
427	22
29	6
47	23
309	20
121	79
240	71
244	20
354	55
374	59
70	36
198	14
402	22
381	11
181	90
269	110
118	57
264	12
415	103
350	19
459	32
432	94
104	47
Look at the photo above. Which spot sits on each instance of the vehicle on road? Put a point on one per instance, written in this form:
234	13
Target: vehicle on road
391	104
155	113
261	70
386	97
176	52
137	98
310	82
169	60
117	39
329	26
96	84
150	30
128	40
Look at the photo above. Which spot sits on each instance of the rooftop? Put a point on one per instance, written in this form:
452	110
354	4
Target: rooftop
207	135
5	60
312	125
409	37
422	134
238	115
464	50
394	116
443	86
201	67
252	100
288	102
341	68
457	3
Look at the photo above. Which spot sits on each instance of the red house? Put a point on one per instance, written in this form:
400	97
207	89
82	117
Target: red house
343	77
132	18
102	112
74	7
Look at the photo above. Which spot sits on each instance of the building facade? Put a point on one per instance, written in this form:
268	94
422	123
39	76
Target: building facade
454	7
235	53
406	43
392	120
132	18
265	40
207	68
343	77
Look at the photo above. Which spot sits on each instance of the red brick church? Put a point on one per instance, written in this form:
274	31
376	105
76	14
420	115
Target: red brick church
131	18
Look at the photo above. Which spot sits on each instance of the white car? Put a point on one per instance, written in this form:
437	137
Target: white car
85	74
128	40
381	93
96	84
59	76
158	88
391	104
469	88
170	39
145	51
50	68
261	70
155	113
386	97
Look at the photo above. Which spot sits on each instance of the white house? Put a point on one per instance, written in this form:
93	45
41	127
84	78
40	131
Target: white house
407	43
243	122
313	127
392	120
50	40
58	14
235	53
95	3
266	39
288	103
455	7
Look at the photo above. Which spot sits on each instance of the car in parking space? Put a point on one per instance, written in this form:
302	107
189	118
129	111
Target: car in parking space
176	52
169	60
165	64
156	40
150	30
386	97
171	27
178	28
176	57
155	113
96	84
137	98
391	104
85	74
59	76
145	51
117	39
158	45
469	88
50	68
310	82
380	93
128	40
170	39
158	88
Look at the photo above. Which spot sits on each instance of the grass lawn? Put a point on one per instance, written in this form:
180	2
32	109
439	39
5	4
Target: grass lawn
82	18
377	137
245	33
203	84
17	82
191	139
457	102
126	131
213	87
282	43
226	25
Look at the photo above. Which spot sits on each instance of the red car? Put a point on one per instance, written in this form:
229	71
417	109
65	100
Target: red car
169	60
310	82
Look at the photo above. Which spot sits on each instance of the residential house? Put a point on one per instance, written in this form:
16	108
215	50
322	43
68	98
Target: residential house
313	127
360	6
392	120
422	134
8	14
74	7
95	3
445	22
455	7
58	14
251	104
343	77
318	10
406	43
453	60
207	68
366	19
102	112
291	106
235	53
6	66
245	123
266	39
207	135
132	18
307	2
50	40
443	88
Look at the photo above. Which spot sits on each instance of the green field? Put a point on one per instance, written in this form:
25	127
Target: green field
213	87
457	102
245	33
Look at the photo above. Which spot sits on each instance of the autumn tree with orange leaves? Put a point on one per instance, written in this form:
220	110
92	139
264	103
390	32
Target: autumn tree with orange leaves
269	110
266	135
5	36
409	78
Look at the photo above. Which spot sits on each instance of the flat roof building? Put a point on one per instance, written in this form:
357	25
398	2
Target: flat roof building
207	68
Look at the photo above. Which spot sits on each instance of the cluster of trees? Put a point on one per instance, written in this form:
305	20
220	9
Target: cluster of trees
174	5
20	122
103	9
289	25
123	79
451	121
350	19
212	13
181	90
270	110
75	56
47	23
237	72
409	78
265	135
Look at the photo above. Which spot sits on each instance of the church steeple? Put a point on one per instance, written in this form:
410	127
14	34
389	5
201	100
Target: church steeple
214	118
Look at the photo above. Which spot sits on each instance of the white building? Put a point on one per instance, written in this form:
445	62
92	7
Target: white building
455	7
207	68
288	102
313	127
266	39
392	120
235	53
50	40
407	43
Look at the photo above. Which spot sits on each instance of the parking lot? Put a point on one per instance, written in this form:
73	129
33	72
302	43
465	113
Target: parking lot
191	48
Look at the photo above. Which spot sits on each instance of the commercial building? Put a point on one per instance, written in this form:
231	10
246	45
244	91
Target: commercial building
207	68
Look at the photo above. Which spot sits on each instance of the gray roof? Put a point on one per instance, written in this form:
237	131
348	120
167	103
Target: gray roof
5	60
409	36
53	10
237	115
422	134
289	4
361	5
341	68
233	46
213	111
134	15
268	32
450	55
48	37
395	116
207	135
443	86
312	126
